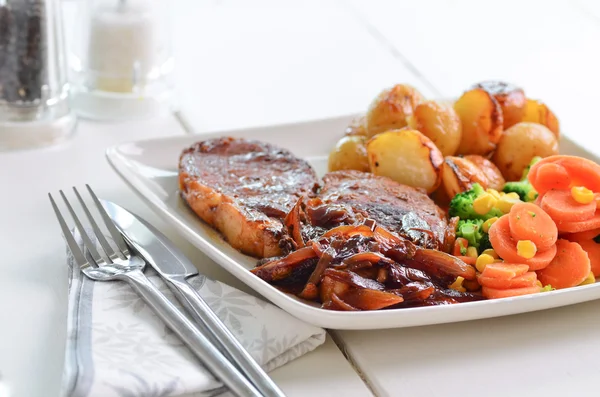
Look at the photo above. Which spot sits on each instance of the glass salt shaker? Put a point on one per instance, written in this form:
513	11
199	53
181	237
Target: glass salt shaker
121	62
34	90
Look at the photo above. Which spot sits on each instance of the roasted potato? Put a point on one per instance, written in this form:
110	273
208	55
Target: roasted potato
438	122
538	112
511	99
406	156
481	118
391	108
459	175
519	144
494	177
357	127
350	153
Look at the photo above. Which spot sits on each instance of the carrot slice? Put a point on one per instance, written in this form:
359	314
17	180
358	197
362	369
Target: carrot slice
526	280
593	250
506	247
548	176
581	226
553	172
561	206
494	293
504	271
527	221
458	243
582	236
569	267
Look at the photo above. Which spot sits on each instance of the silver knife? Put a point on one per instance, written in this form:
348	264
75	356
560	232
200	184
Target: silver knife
174	268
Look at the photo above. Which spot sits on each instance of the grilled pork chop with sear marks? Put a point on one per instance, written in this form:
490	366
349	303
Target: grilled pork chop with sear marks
350	197
244	189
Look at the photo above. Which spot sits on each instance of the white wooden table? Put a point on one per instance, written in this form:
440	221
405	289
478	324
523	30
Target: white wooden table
254	63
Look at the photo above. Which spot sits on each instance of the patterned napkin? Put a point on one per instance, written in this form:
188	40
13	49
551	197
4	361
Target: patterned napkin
117	346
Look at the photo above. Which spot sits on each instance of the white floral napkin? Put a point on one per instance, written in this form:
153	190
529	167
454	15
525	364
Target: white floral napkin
117	346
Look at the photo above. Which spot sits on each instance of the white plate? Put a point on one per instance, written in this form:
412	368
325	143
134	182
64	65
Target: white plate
150	168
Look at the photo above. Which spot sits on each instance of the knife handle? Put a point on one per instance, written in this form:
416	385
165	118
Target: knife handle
208	354
214	328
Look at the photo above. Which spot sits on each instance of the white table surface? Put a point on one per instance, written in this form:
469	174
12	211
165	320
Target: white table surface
264	62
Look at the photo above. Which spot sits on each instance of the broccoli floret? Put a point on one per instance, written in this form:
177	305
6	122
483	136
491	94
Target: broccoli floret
472	231
485	243
462	205
547	288
523	188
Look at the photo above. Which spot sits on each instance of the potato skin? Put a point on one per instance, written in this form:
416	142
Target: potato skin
481	118
406	156
459	175
357	126
494	177
519	144
538	112
350	153
511	98
391	107
440	123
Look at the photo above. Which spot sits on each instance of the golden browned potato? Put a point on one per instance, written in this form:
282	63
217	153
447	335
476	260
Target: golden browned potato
538	112
391	108
459	175
406	156
350	153
440	123
481	118
519	144
357	127
494	177
511	99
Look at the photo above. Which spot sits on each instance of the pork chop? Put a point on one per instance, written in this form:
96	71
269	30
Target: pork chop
244	189
402	209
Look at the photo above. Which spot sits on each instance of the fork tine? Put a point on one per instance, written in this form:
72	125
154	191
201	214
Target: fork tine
110	252
87	242
110	225
73	246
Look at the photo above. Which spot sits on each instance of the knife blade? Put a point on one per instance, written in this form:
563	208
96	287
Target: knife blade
174	268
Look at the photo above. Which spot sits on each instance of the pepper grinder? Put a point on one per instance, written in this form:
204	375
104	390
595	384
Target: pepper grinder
34	91
121	64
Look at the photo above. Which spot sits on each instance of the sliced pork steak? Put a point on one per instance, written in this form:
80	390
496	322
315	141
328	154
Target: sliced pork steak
399	208
244	189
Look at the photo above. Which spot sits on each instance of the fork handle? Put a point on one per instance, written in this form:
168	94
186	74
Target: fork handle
212	326
207	353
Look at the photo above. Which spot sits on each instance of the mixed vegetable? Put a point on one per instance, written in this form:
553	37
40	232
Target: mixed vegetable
521	243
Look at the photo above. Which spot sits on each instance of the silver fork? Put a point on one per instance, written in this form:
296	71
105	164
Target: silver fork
122	264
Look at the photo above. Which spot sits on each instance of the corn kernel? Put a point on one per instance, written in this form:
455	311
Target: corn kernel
494	193
526	249
458	284
498	260
486	225
506	202
531	195
539	284
484	203
582	195
513	195
472	252
590	279
482	261
491	253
